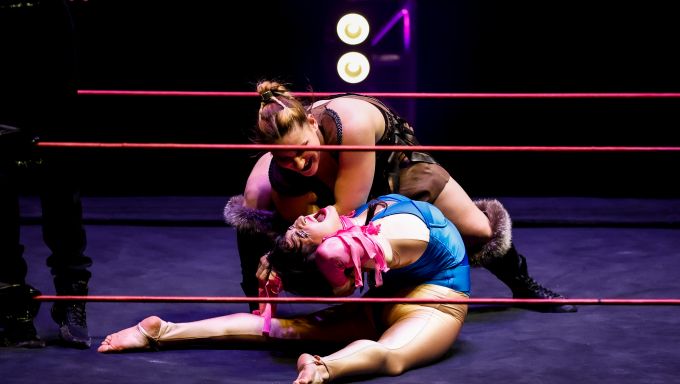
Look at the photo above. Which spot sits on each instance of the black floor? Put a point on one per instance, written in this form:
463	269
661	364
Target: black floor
583	248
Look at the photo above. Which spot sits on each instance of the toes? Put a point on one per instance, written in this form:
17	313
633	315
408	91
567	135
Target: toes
106	346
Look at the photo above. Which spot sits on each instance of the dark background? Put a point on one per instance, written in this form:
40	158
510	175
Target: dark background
458	46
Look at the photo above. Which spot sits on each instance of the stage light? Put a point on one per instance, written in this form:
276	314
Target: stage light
353	28
353	67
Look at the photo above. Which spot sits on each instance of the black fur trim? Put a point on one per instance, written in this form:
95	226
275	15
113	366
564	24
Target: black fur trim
501	239
248	219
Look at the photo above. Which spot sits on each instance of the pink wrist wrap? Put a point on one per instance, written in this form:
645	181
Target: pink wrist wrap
269	289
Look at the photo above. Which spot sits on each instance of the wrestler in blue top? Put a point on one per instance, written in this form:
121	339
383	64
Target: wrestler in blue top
408	247
444	261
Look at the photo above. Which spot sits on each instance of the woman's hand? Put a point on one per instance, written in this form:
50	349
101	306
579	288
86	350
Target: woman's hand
269	285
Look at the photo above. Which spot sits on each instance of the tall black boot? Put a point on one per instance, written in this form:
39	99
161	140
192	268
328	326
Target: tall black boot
255	236
512	270
17	311
70	315
251	247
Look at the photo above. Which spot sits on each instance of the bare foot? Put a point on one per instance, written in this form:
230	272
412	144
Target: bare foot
311	370
131	338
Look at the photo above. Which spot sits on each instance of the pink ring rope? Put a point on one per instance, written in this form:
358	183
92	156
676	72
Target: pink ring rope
425	148
326	300
414	95
359	148
333	300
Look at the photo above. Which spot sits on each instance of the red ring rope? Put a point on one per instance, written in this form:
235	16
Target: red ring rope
176	299
330	300
197	299
504	301
425	148
414	95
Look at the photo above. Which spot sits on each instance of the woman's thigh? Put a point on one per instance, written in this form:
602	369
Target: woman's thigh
418	334
457	206
340	323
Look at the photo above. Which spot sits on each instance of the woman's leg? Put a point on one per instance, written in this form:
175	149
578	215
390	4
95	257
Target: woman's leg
486	227
252	217
417	335
334	324
457	206
153	332
426	181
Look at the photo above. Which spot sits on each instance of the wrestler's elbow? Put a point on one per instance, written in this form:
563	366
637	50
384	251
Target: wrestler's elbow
257	195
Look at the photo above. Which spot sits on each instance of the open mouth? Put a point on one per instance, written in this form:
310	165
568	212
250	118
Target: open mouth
321	215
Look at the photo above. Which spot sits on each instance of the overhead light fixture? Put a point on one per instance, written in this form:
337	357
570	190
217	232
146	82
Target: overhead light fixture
353	67
353	29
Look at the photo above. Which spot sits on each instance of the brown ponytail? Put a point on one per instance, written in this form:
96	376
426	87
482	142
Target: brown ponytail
279	112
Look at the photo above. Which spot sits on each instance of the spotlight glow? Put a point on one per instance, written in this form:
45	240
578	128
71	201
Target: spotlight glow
353	67
352	29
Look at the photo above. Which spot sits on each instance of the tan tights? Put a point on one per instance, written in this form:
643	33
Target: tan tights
415	334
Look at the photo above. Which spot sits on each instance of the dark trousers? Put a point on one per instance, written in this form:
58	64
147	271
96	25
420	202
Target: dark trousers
37	96
62	224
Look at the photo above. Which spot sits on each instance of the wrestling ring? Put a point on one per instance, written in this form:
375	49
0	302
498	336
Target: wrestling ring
631	270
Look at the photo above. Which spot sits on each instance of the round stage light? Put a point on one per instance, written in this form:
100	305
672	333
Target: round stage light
353	29
353	67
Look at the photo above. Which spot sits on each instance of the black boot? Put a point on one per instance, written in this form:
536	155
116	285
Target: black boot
512	270
255	236
251	247
70	315
17	311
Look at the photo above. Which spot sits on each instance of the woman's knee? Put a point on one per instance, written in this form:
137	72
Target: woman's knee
394	363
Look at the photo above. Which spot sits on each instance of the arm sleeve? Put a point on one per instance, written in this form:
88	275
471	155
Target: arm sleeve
271	288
